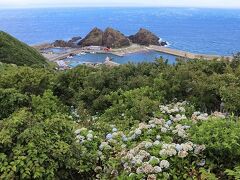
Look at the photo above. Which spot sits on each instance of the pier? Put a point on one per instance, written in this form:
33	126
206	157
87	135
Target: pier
185	54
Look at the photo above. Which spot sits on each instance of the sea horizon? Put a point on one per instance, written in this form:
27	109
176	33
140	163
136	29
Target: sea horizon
197	30
145	7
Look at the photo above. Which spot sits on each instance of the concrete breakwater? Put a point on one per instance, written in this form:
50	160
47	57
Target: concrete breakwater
185	54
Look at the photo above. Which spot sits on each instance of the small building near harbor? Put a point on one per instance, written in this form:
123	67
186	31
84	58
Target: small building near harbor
94	48
108	62
62	65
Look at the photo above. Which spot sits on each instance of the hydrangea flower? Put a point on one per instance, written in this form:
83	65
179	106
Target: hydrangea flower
77	131
157	169
156	143
124	138
182	154
163	130
179	147
151	177
109	136
138	132
202	162
114	129
199	148
148	145
104	145
89	136
164	164
158	137
154	160
169	123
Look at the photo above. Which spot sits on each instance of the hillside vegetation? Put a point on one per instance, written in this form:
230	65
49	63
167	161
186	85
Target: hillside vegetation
136	121
12	51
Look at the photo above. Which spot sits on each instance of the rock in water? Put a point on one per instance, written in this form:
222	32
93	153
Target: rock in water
145	37
60	43
114	39
94	38
71	43
74	41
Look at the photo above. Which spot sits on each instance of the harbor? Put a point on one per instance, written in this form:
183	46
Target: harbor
133	48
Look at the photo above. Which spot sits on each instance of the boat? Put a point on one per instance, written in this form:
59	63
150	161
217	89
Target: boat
69	57
92	52
81	53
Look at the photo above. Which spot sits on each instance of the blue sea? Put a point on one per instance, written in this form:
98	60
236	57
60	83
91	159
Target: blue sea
209	31
148	56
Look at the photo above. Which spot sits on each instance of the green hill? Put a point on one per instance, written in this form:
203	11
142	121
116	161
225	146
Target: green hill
13	51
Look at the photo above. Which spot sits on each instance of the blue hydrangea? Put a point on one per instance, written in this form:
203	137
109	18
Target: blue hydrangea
109	136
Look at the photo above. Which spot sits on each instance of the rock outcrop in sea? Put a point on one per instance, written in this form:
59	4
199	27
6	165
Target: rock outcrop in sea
93	38
145	37
110	38
71	43
114	39
60	43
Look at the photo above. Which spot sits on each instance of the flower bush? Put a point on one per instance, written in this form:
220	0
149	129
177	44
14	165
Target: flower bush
158	149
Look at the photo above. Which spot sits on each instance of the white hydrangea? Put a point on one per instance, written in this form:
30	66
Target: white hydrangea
143	126
148	145
77	131
187	146
163	130
156	143
89	136
146	168
114	129
199	148
182	154
158	137
157	169
151	177
115	134
104	145
164	164
168	150
138	132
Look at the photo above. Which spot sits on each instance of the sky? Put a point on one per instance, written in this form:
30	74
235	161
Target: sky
120	3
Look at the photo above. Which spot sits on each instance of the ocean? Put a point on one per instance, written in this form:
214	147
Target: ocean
209	31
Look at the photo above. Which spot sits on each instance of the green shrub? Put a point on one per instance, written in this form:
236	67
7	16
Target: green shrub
222	140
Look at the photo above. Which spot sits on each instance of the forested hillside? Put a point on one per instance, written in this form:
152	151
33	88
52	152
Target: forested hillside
12	51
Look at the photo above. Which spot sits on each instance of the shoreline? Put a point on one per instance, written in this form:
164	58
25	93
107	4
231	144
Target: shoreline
133	48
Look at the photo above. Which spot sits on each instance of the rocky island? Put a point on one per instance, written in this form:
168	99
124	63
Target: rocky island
146	37
112	38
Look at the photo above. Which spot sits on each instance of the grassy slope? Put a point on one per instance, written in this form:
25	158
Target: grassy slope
15	52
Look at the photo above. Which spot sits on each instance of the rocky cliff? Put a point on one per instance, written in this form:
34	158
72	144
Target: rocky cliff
114	39
145	37
94	38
